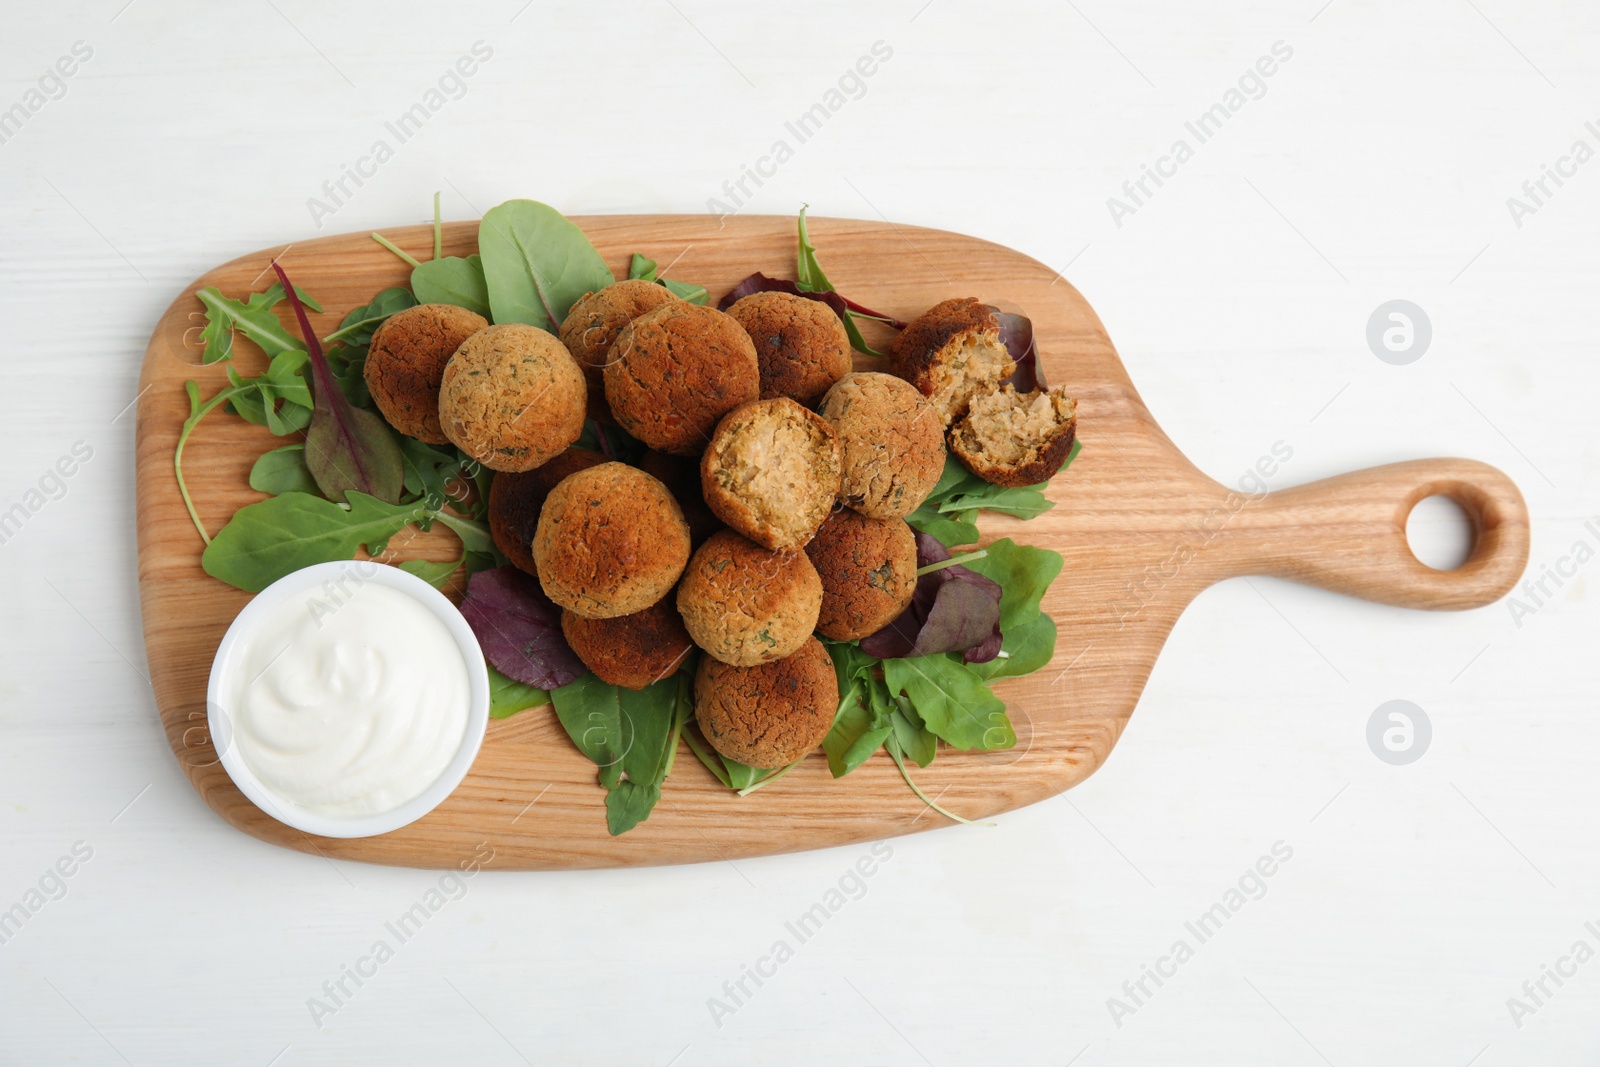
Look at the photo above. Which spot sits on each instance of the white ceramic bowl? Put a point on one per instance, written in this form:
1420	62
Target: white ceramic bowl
296	584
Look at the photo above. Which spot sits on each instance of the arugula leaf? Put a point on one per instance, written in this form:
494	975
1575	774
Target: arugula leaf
429	470
252	317
731	773
953	701
632	736
913	737
951	530
457	280
856	734
644	270
536	264
347	448
950	511
507	696
283	470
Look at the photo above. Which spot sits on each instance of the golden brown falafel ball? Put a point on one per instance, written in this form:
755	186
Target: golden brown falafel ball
516	497
593	323
951	352
1011	438
800	343
769	715
746	605
891	444
610	541
868	569
406	361
512	397
630	650
681	476
772	472
675	371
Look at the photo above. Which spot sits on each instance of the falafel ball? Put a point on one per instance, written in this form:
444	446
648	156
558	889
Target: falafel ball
1011	438
593	323
746	605
768	715
772	472
630	650
868	569
512	397
406	361
952	352
673	372
516	497
610	541
800	343
681	476
890	440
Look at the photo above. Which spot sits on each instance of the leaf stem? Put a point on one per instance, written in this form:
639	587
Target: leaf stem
200	412
773	777
898	762
965	557
397	250
438	229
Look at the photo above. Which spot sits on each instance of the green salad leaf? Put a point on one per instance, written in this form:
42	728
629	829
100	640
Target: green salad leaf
950	512
457	280
631	735
641	268
252	317
283	470
536	264
953	701
507	696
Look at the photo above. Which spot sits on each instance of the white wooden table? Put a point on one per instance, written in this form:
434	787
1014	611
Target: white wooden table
1374	164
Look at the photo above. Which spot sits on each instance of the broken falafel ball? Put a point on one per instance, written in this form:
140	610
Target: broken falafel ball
891	444
675	371
406	362
610	541
952	352
745	604
868	569
512	397
768	715
772	472
631	651
1011	438
801	344
593	322
516	497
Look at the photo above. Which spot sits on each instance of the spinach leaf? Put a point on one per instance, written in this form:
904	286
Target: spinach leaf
953	701
347	448
951	530
1026	648
632	736
266	540
641	268
1024	574
536	264
361	323
507	696
453	280
283	470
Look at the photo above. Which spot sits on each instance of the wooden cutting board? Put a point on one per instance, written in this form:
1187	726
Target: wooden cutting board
1141	529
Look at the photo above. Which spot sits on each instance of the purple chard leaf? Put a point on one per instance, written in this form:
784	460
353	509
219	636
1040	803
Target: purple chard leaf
519	628
1016	333
954	609
842	306
347	448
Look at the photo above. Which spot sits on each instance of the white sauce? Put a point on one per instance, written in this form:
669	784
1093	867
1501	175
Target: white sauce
349	701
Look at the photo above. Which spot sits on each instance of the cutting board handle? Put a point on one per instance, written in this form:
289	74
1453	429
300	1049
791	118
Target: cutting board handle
1348	534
